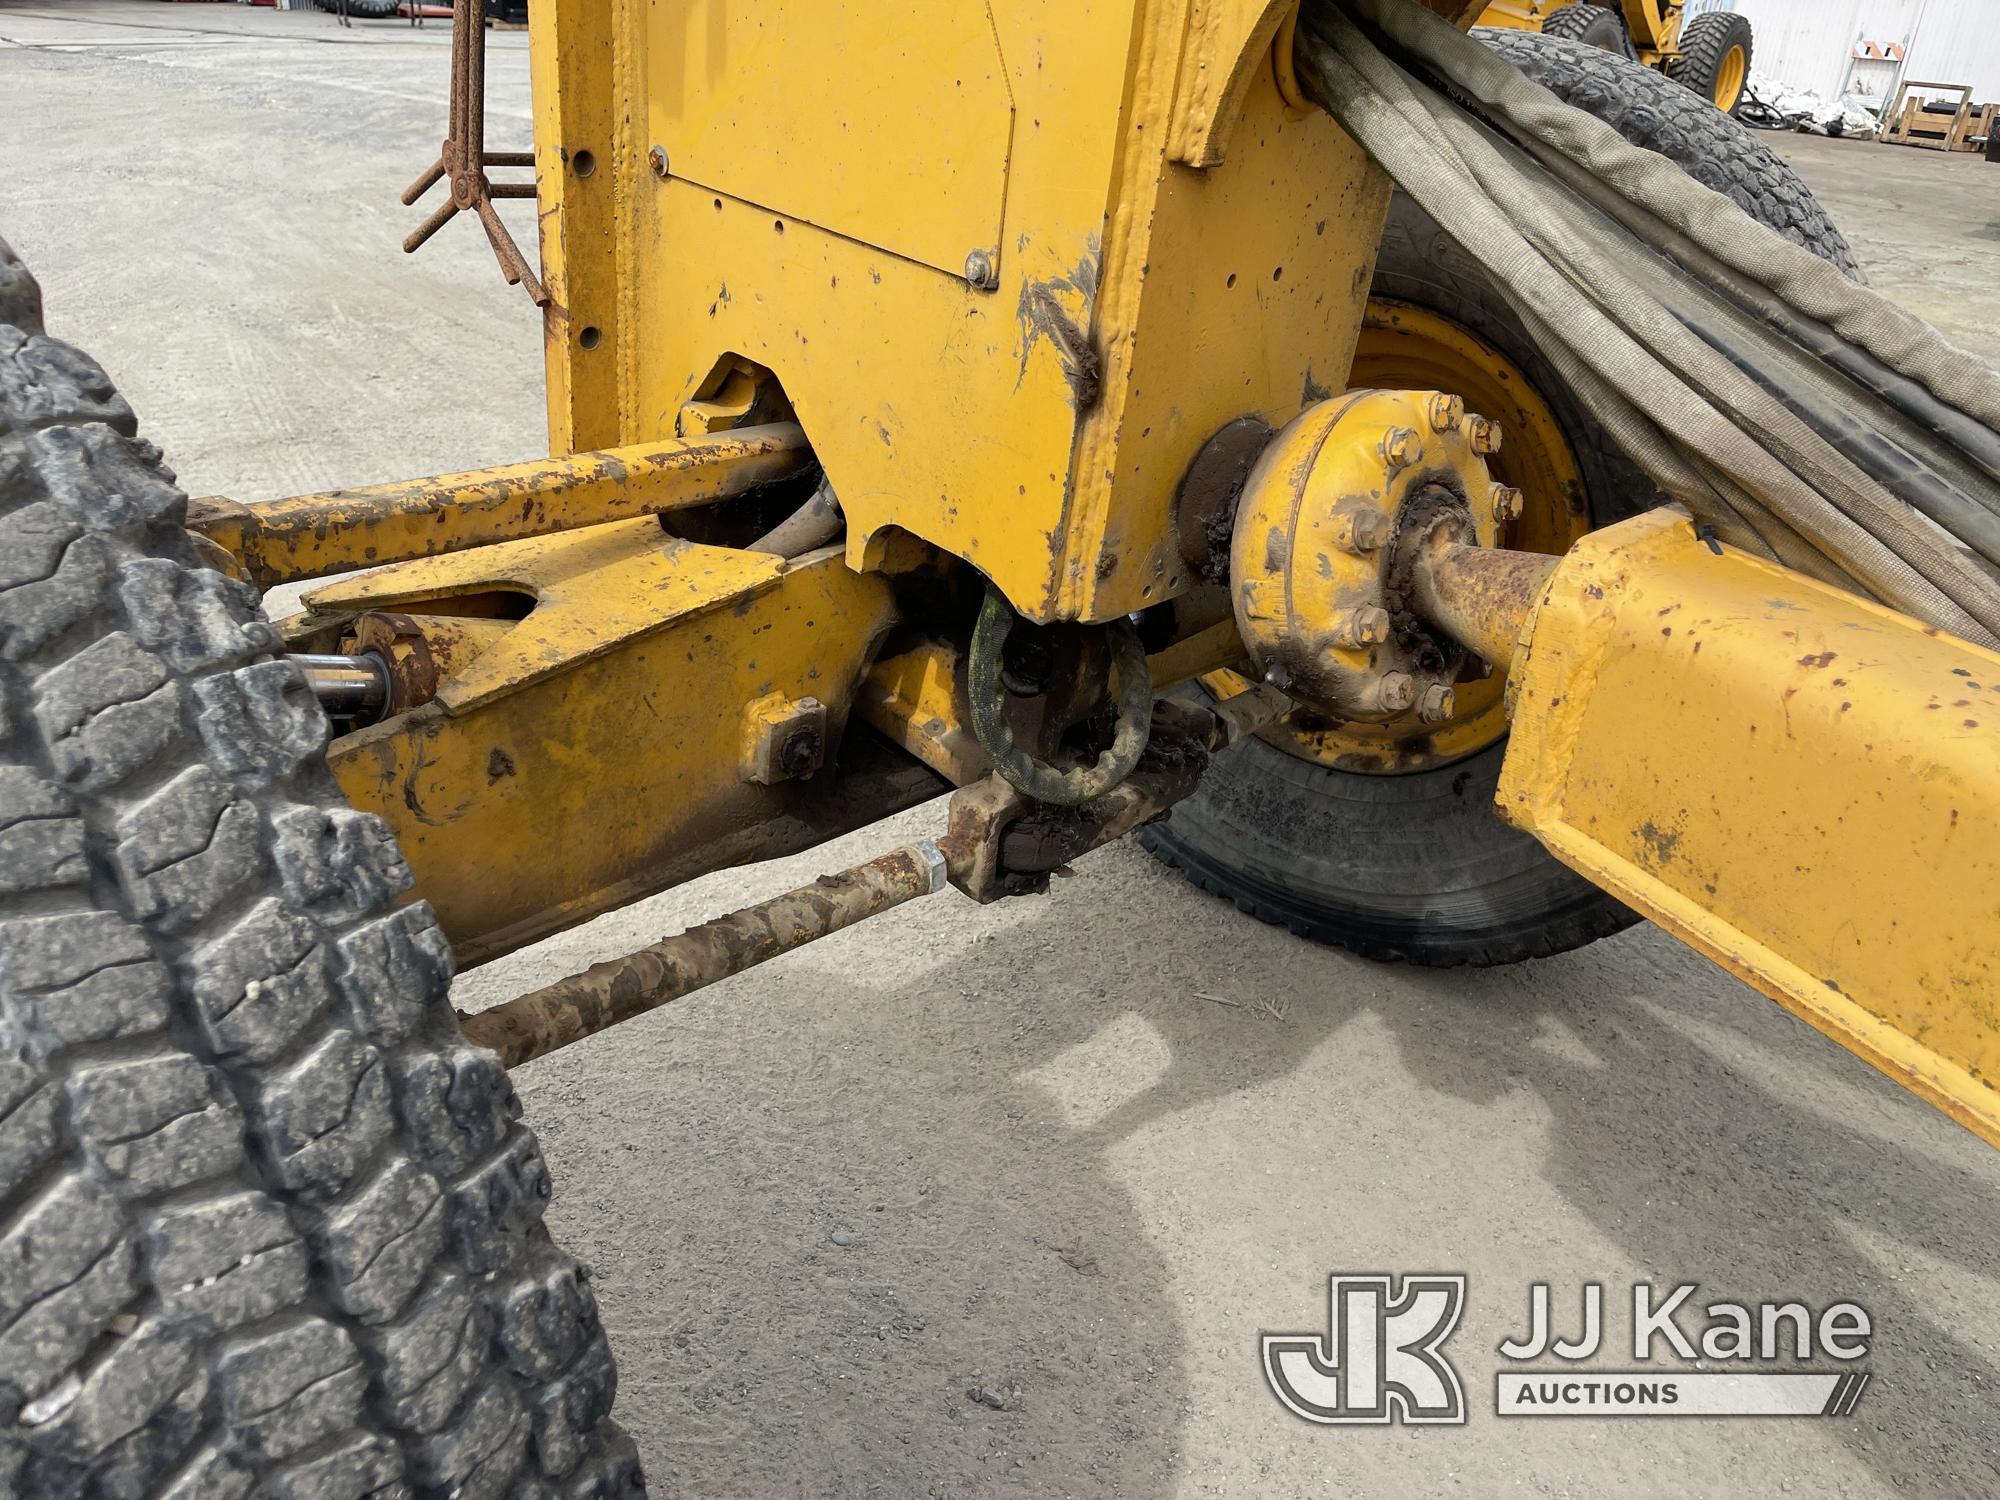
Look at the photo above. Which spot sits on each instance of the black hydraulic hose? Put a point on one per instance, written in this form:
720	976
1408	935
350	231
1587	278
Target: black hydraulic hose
1870	450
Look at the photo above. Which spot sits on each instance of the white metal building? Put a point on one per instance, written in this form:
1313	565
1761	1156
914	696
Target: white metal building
1813	44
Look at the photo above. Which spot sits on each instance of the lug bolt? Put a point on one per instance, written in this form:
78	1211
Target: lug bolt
1483	434
1398	691
1366	626
1401	447
1437	704
1506	502
657	159
1362	531
1445	411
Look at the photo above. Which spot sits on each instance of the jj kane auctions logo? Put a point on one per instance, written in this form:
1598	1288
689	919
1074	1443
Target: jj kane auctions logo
1381	1358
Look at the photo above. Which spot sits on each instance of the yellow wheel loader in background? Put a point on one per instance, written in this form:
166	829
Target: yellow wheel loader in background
1093	410
1709	53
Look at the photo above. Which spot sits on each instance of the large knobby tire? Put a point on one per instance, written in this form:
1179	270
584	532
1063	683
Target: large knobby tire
1416	866
1653	111
1715	58
1592	25
268	1224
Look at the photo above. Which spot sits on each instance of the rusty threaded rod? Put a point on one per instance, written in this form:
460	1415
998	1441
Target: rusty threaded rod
531	1025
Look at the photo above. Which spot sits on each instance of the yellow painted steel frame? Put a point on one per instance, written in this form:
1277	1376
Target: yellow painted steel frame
1013	261
309	536
596	751
1800	784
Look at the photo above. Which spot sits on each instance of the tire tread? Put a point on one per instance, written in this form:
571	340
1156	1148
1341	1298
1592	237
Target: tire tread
246	1159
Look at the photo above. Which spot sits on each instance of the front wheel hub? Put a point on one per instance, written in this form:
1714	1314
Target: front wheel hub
1328	535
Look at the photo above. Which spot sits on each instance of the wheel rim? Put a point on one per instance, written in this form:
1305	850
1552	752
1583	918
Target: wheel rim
1404	347
1730	78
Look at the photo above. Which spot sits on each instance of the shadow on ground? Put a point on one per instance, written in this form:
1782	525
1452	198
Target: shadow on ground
968	1126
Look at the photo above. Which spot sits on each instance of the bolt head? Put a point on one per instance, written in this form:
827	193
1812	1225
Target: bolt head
1445	411
1399	691
1436	705
1367	625
1483	434
799	755
1363	531
1506	502
981	272
1401	447
657	160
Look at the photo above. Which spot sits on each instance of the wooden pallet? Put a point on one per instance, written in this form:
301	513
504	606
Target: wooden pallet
1909	123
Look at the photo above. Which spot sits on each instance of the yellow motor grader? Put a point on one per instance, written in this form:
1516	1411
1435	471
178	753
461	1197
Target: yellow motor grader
1709	53
1184	419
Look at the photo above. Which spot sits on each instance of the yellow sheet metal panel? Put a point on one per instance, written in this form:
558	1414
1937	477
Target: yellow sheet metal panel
1800	784
930	123
936	407
1037	429
1235	289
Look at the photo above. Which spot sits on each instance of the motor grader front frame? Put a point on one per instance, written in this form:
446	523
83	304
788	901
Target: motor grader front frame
1074	267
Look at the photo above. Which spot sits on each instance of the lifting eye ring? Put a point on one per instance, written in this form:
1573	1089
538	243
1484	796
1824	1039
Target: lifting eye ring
1038	779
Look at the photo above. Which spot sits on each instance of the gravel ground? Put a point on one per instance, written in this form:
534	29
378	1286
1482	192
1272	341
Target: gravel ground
1073	1153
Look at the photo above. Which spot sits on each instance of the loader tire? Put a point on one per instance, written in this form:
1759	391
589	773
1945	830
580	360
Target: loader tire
1416	866
1651	110
1715	58
268	1224
1591	25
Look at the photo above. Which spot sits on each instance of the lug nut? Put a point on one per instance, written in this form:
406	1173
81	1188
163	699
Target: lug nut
1445	411
1366	626
1506	501
1398	691
1483	434
1437	704
1401	447
1362	531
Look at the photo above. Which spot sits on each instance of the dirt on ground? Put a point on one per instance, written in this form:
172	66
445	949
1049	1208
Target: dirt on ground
998	1200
